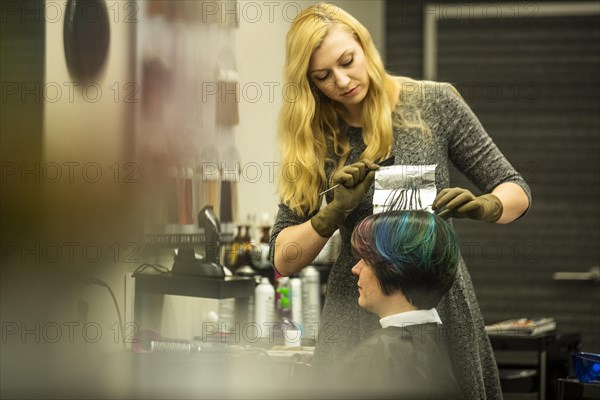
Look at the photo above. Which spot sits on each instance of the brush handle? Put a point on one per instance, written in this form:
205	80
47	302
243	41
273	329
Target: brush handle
385	163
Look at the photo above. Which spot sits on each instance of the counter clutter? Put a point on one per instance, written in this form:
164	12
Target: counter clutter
258	341
212	371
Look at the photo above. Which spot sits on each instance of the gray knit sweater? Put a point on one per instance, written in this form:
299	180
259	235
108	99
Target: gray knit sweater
458	137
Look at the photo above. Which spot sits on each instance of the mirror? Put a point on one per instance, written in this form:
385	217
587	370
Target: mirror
86	38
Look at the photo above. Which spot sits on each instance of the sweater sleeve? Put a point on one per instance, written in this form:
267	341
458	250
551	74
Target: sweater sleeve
285	218
471	149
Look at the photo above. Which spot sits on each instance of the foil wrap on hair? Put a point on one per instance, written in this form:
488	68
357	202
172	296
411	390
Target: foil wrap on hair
404	187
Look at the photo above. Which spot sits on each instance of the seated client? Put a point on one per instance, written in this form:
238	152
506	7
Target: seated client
408	260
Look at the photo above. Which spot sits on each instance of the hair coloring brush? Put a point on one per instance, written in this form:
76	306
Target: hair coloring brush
385	163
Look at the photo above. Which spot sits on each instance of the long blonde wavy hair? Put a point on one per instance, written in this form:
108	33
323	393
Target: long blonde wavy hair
308	120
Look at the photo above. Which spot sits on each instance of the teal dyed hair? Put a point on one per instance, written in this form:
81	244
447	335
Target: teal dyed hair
415	252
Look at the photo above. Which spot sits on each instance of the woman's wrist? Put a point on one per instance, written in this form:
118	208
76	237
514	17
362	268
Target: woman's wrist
327	220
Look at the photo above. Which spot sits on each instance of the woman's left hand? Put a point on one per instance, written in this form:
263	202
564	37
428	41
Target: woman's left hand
461	203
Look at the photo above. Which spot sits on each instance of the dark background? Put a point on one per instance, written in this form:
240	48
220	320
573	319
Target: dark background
534	82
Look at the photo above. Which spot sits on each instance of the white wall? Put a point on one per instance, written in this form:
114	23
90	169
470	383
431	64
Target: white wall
86	127
260	50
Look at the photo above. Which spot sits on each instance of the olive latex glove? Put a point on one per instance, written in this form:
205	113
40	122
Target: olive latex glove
461	203
354	180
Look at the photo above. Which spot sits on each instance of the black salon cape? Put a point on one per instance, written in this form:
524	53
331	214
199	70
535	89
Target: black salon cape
408	362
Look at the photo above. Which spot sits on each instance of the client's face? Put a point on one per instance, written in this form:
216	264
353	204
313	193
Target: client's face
370	296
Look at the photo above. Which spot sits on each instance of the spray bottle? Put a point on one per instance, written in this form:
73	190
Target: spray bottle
311	301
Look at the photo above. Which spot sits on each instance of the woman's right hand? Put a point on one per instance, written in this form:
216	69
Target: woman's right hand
353	182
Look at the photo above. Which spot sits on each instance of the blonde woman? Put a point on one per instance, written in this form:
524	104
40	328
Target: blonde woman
347	114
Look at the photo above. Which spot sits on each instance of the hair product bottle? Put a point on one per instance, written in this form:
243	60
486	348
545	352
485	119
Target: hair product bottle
264	306
296	296
311	301
284	312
